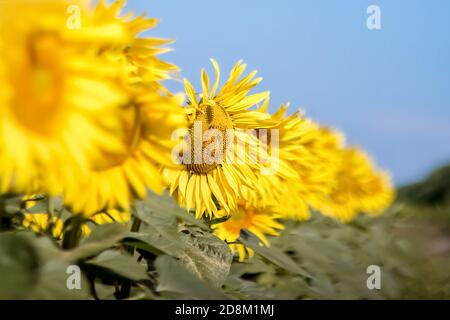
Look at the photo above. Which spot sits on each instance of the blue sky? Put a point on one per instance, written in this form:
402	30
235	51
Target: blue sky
388	90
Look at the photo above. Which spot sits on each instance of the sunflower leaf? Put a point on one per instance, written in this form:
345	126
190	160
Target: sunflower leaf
18	266
119	264
176	281
272	254
102	238
167	205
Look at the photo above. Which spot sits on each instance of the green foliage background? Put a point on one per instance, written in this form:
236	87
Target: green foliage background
173	256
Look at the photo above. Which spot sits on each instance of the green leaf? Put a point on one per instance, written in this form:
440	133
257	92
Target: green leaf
206	256
175	278
34	268
18	266
102	238
159	230
120	264
104	292
52	284
273	254
168	206
244	290
156	242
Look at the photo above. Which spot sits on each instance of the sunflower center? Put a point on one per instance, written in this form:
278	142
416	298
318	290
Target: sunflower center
241	218
211	116
37	77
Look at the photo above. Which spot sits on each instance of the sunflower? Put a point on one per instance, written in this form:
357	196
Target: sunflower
259	221
323	146
124	176
214	187
307	155
360	188
316	161
275	164
54	226
44	223
139	54
146	123
59	112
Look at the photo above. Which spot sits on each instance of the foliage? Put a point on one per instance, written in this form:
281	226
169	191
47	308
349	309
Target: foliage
175	257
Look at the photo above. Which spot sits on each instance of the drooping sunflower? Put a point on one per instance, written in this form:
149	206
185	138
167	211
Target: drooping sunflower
259	221
214	187
360	187
63	95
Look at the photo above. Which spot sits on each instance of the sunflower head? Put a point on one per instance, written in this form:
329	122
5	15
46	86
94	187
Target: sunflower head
214	186
259	221
63	94
360	187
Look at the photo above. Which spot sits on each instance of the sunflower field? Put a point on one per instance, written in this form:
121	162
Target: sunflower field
153	194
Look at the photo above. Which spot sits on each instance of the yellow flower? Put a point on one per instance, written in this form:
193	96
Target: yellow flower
39	222
146	124
259	221
215	186
276	167
324	147
124	176
316	162
61	95
140	54
45	223
360	188
110	216
308	158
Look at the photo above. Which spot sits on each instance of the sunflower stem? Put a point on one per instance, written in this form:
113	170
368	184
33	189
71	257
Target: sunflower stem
72	233
2	214
5	217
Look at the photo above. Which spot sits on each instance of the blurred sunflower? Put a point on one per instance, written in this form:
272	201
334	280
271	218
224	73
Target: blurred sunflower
308	157
360	188
284	143
146	123
210	187
259	221
44	223
121	177
54	226
323	146
59	113
139	54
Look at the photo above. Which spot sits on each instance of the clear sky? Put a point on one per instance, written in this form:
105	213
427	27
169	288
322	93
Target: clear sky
388	90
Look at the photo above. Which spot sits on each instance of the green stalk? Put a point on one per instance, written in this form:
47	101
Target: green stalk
72	232
5	217
2	214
